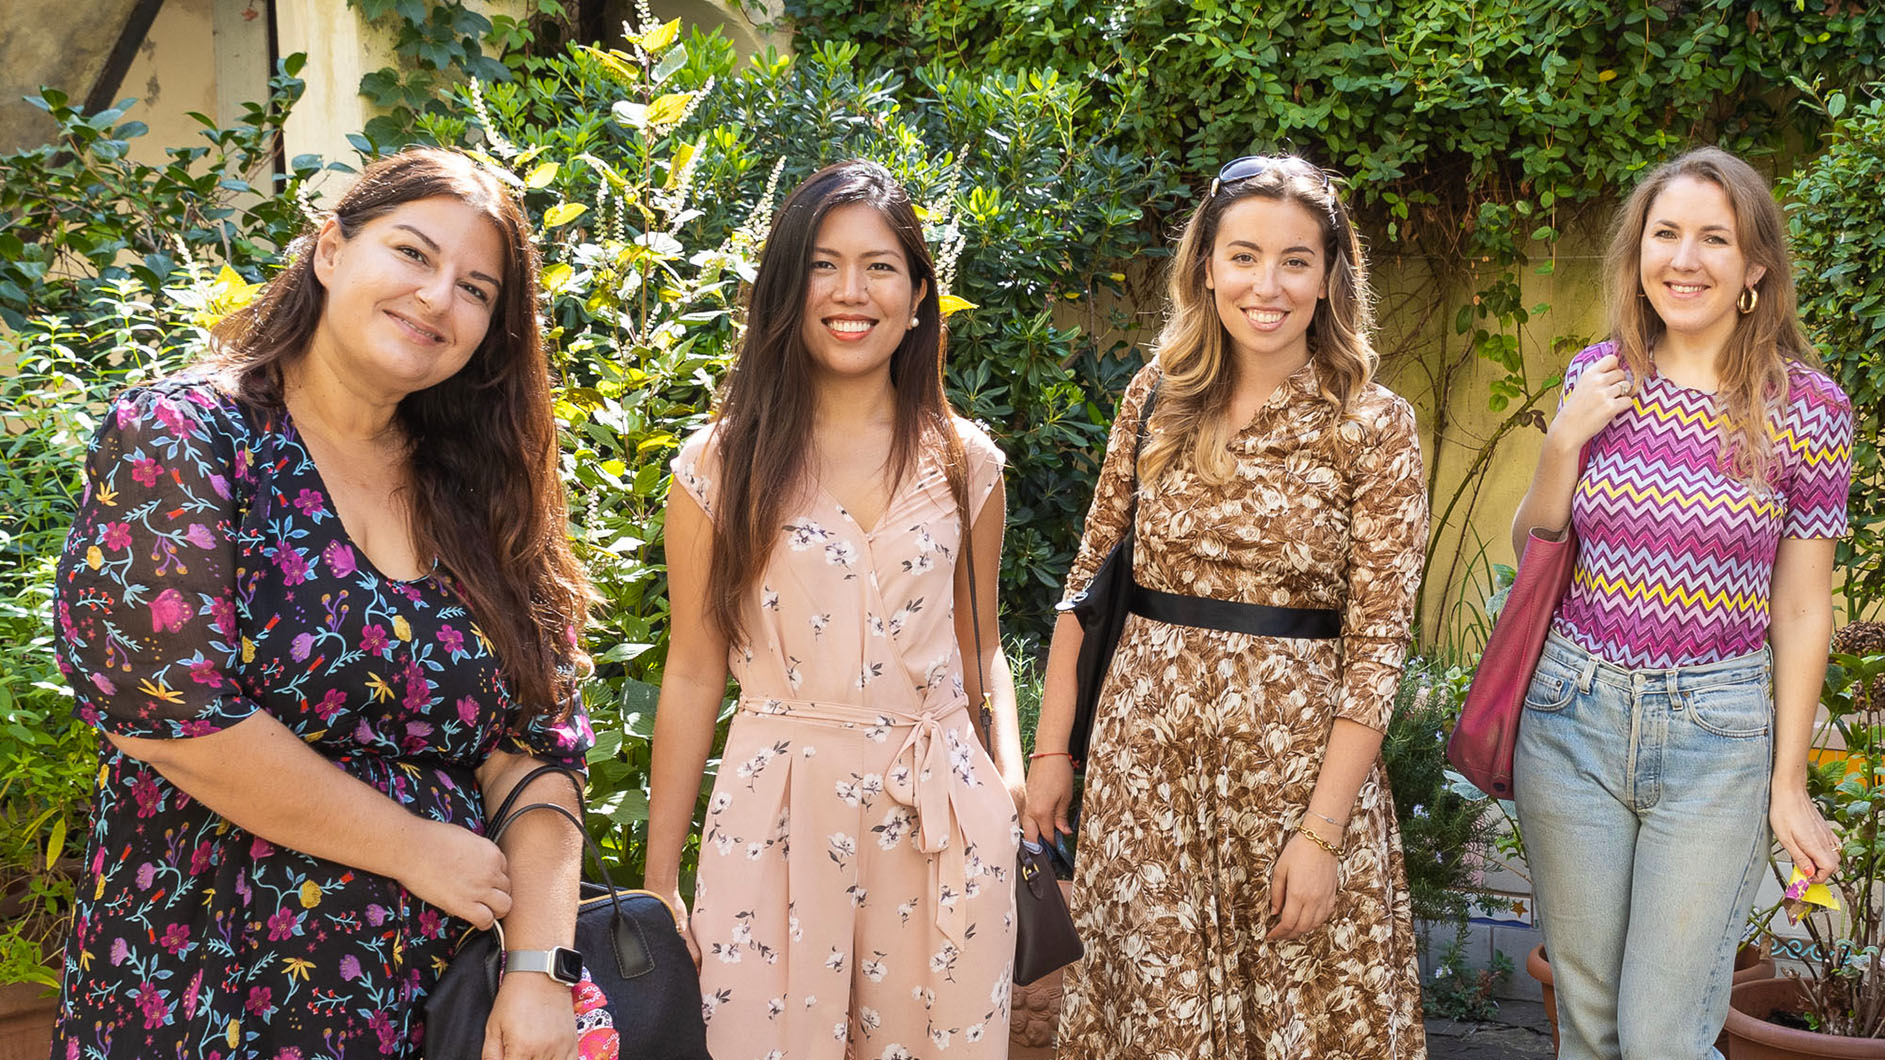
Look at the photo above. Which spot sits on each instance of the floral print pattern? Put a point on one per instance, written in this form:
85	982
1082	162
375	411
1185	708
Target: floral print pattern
856	896
208	577
1207	745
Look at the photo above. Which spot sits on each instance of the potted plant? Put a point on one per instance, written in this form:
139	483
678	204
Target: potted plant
1838	1007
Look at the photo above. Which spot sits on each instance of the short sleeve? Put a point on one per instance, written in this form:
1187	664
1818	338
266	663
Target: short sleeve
986	461
1112	506
696	468
564	741
1815	446
1387	540
146	603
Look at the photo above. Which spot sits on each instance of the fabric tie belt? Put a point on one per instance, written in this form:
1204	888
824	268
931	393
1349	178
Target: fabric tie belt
933	763
1234	616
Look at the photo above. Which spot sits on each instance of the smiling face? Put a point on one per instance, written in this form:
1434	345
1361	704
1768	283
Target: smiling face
860	296
1691	264
1267	271
409	296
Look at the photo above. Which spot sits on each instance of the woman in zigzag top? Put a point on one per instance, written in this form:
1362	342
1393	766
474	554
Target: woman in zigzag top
1667	725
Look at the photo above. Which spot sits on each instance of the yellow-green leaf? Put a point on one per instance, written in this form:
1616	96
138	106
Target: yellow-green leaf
556	277
563	213
55	843
1606	75
661	36
666	110
950	304
613	61
541	176
679	165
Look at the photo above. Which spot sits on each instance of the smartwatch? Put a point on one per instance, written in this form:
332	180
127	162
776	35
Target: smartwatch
559	963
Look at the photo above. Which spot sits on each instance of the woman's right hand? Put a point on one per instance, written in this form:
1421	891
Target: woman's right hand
683	922
1050	794
1602	391
461	872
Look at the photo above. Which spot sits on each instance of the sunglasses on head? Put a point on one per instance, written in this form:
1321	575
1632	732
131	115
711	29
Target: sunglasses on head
1256	165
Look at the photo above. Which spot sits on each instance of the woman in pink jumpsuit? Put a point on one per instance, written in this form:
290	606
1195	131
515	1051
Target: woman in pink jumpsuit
855	895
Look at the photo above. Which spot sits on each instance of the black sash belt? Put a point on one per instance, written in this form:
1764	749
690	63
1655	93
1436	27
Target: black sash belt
1233	616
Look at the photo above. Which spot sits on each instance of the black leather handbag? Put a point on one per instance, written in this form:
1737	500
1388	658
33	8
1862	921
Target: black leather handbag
1045	938
630	949
1101	608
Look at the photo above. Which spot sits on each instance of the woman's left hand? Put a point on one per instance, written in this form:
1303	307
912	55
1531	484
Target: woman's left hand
534	1018
1808	839
1302	889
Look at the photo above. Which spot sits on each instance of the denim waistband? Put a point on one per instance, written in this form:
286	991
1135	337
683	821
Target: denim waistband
1754	665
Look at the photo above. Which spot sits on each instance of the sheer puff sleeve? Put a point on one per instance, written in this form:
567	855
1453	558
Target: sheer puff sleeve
148	627
1112	494
1387	540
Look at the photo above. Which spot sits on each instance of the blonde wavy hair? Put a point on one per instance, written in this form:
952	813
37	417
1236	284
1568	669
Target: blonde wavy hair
1752	371
1194	352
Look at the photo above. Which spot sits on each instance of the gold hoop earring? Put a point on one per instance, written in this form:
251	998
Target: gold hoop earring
1750	297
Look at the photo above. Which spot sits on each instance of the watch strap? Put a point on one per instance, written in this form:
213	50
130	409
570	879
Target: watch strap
545	961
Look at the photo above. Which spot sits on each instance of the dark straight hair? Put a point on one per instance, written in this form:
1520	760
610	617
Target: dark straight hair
767	408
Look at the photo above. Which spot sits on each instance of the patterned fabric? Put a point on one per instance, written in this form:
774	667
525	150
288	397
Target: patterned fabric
205	579
1207	746
889	934
1675	556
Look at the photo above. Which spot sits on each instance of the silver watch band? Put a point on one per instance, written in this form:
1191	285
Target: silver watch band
533	961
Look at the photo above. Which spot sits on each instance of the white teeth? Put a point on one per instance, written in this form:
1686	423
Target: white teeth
1265	316
849	327
1687	288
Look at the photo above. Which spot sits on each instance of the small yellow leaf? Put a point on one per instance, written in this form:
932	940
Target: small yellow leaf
949	303
666	110
1606	75
921	213
660	37
611	60
94	557
402	628
555	278
541	176
310	894
679	165
563	213
660	440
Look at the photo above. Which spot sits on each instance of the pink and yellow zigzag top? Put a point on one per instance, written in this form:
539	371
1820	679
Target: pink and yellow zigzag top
1675	556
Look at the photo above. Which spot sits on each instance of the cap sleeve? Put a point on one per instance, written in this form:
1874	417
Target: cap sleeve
696	468
148	631
985	460
1815	443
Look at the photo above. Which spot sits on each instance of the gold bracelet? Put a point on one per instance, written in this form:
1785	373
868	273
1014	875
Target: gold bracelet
1321	842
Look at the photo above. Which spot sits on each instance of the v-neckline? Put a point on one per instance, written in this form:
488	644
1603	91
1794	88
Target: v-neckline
293	434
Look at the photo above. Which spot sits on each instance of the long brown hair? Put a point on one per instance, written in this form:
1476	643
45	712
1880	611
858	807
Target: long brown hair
1198	372
1753	365
767	408
486	498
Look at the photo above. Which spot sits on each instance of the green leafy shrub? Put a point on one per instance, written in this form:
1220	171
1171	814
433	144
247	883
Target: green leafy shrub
78	210
1835	216
1441	825
58	379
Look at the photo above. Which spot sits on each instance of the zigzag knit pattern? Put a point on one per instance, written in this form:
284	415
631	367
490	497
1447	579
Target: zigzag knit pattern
1675	556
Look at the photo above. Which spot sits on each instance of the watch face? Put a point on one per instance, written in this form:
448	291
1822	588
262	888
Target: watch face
569	965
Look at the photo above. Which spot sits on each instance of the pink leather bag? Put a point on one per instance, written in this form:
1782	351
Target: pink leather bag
1482	741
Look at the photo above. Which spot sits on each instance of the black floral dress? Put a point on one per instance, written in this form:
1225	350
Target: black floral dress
207	577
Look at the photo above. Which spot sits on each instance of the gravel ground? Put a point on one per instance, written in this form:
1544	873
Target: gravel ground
1518	1032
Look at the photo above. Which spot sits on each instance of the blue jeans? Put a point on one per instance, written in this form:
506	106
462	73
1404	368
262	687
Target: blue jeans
1642	799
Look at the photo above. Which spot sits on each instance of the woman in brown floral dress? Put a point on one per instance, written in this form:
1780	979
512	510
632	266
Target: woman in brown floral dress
1240	887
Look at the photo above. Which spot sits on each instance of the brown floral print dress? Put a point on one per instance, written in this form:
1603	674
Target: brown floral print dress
1207	745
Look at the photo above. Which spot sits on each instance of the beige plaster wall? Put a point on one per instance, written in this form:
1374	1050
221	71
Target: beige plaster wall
750	35
42	44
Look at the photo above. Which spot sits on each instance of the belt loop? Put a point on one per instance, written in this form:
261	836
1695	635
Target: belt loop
1587	675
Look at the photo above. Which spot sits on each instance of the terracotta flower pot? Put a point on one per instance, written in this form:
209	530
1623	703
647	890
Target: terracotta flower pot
26	1015
1751	963
1751	1037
